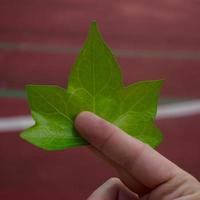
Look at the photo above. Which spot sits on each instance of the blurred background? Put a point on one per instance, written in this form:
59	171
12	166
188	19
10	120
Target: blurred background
39	41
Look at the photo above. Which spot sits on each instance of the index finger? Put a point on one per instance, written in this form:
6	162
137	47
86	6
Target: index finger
140	160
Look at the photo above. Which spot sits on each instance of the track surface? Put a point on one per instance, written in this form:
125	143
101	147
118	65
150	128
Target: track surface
39	41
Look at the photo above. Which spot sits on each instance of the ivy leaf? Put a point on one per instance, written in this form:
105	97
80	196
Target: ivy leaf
95	85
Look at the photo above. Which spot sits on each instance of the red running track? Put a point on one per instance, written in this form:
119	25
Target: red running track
156	29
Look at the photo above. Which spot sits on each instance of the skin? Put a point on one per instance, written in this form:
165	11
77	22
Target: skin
144	173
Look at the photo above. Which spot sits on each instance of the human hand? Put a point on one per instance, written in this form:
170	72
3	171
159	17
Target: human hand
144	173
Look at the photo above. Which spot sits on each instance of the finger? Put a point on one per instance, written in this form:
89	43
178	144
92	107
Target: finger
125	177
141	161
113	189
132	183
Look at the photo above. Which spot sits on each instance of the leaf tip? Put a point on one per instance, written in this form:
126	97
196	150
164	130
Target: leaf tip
161	81
94	29
26	137
23	136
29	88
93	25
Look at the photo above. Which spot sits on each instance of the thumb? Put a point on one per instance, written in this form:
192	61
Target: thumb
113	189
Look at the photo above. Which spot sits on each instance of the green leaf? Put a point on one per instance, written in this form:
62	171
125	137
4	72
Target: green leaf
138	106
94	85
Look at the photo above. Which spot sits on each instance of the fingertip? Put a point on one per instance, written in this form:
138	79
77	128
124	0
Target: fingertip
80	117
83	119
92	127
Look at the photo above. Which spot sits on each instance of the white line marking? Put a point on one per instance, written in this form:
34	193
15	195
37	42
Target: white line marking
180	109
173	110
17	123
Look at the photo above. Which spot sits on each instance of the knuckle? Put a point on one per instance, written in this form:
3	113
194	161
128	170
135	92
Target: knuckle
108	136
130	160
114	182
